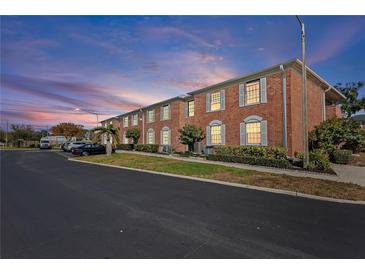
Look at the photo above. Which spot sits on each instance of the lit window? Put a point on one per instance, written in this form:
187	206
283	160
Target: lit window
215	101
253	133
150	116
150	137
165	137
252	93
190	108
216	134
165	112
125	139
135	119
125	121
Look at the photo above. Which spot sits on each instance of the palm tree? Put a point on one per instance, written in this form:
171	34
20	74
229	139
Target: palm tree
110	132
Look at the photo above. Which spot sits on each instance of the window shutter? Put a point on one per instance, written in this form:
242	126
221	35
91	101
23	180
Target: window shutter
223	100
263	90
161	113
241	95
207	135
160	137
153	137
186	109
264	133
223	134
243	134
170	137
169	112
207	102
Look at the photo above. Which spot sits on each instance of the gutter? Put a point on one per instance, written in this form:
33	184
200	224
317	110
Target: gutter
285	143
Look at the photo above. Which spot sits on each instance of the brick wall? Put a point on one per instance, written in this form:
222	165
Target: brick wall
333	111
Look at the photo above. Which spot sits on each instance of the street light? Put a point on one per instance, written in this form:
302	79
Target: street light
304	97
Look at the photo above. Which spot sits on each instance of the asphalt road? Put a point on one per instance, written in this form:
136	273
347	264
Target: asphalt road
54	208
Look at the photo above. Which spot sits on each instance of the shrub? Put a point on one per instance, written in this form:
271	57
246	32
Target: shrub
133	133
270	152
125	146
191	134
338	133
251	160
341	156
318	160
147	148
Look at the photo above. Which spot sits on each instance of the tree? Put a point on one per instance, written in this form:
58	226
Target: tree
68	130
110	133
133	133
353	103
191	134
338	133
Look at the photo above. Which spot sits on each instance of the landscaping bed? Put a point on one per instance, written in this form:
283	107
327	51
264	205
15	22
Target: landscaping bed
305	185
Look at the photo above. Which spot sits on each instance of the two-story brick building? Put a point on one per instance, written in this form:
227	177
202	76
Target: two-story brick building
262	108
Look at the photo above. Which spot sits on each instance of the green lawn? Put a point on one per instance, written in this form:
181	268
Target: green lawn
235	175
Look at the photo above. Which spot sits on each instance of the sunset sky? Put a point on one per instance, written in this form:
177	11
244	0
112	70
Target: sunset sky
53	65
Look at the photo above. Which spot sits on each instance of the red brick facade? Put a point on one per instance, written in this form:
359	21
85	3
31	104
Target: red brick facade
271	111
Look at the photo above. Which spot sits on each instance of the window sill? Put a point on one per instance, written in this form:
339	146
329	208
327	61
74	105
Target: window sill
255	104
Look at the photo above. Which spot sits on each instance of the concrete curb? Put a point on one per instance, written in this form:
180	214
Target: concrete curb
277	191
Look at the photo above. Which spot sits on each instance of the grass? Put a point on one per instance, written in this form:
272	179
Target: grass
358	160
235	175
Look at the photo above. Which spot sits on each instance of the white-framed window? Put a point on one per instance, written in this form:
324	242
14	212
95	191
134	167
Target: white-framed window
150	116
165	112
125	139
215	101
135	119
215	133
111	122
150	136
253	92
125	121
190	106
253	131
165	136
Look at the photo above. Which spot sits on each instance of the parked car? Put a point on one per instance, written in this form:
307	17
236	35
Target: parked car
65	145
45	144
89	149
76	144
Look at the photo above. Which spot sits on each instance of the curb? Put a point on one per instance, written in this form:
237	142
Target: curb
272	190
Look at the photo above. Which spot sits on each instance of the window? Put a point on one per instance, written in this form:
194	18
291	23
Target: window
165	112
135	119
252	93
215	101
216	134
125	139
165	137
150	116
125	121
253	133
150	136
190	108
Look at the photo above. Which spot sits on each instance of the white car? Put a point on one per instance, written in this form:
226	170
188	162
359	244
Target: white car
45	144
76	144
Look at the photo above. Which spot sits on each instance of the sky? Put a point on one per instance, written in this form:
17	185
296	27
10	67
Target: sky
66	68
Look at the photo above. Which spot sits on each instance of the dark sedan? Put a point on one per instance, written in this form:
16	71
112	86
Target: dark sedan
89	149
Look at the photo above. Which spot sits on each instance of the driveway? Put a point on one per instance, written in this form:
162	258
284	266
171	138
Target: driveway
55	208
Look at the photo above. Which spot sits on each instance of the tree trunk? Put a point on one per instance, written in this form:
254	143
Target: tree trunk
108	147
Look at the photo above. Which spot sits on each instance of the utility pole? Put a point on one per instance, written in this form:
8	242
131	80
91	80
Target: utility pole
304	97
6	133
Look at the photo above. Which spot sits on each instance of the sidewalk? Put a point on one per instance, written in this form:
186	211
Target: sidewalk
295	173
348	173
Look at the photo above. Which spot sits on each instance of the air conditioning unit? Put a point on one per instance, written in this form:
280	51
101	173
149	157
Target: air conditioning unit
199	147
165	149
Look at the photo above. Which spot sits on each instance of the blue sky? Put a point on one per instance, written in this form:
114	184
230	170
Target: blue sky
52	65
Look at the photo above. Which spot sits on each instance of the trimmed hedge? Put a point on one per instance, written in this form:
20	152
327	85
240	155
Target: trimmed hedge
341	156
251	160
318	160
125	146
269	152
147	148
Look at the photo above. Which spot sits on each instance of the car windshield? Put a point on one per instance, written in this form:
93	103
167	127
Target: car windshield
45	142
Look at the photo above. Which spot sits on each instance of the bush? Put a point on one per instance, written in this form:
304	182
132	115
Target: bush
253	151
251	160
147	148
133	133
341	156
318	160
338	133
125	146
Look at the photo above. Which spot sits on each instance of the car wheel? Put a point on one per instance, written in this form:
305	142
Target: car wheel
85	153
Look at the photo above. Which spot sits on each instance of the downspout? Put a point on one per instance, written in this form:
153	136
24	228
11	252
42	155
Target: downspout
285	143
324	103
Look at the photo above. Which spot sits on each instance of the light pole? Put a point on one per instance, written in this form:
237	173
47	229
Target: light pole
304	97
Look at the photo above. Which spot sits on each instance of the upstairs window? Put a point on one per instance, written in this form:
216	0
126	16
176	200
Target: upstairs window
125	121
165	112
150	116
215	101
135	119
190	108
252	93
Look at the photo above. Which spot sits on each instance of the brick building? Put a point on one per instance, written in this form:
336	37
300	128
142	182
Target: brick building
262	108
